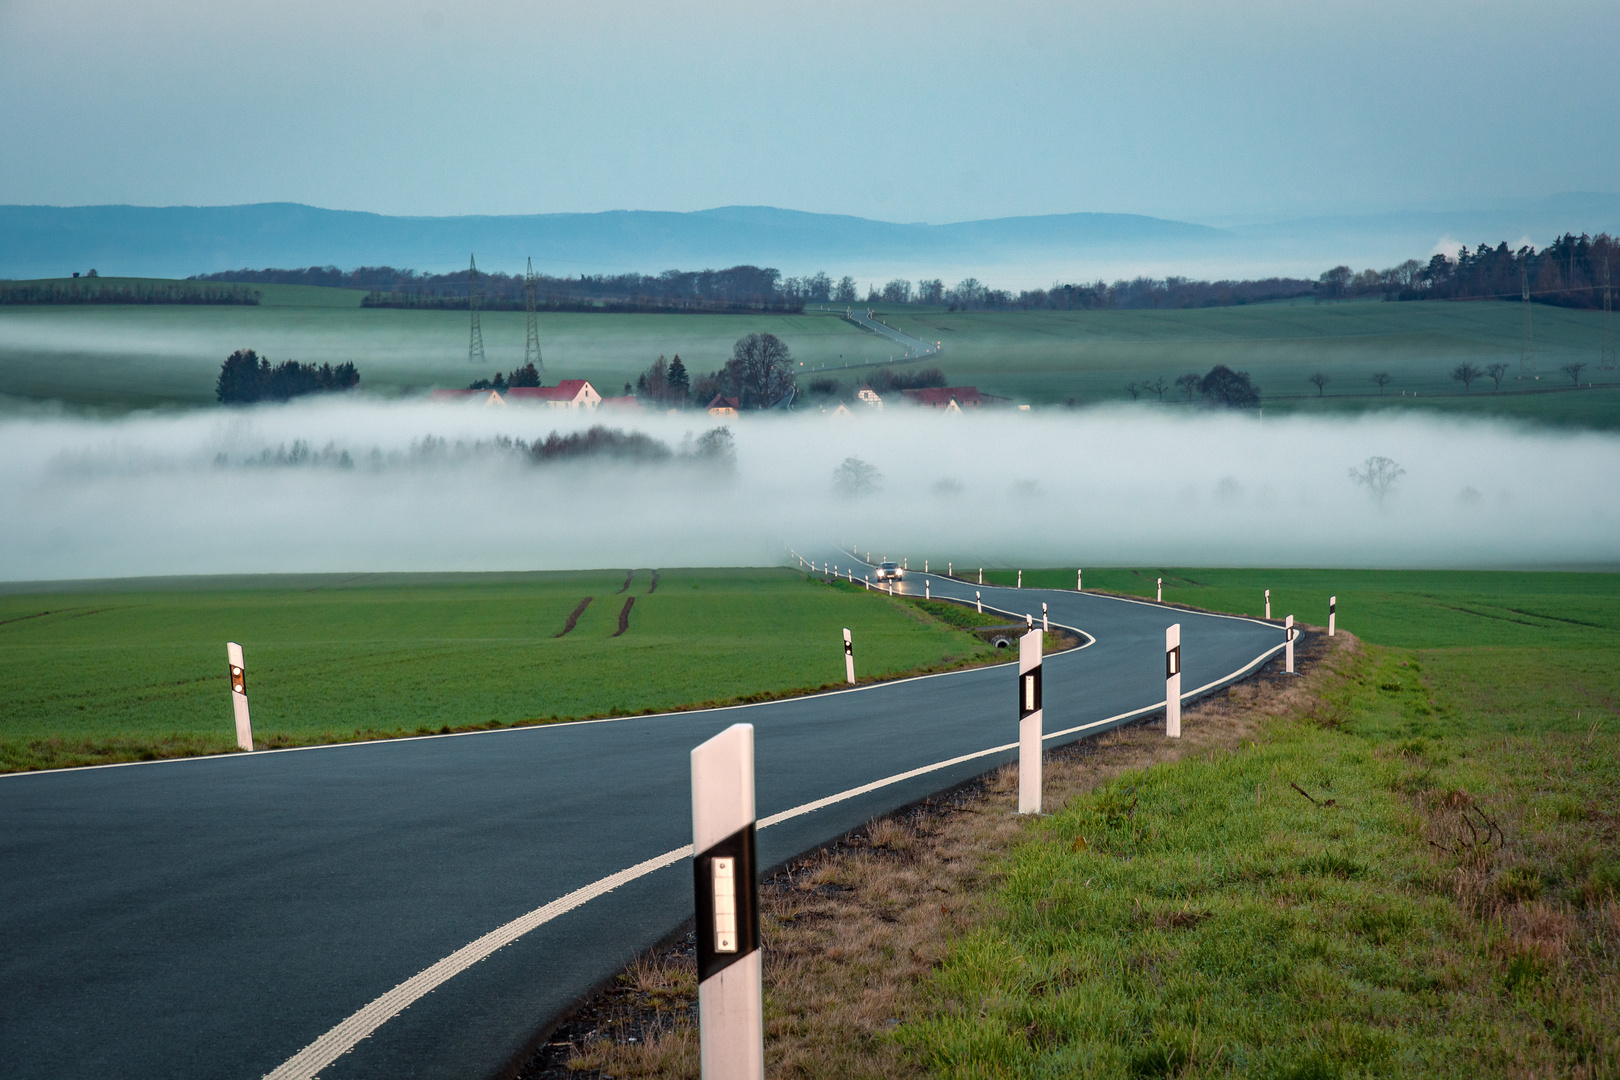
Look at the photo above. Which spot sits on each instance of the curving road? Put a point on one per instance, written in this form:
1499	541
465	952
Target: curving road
420	907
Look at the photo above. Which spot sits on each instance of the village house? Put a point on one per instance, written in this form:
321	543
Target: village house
949	398
870	397
722	406
568	394
485	397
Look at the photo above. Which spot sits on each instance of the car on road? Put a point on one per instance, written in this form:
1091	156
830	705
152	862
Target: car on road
890	572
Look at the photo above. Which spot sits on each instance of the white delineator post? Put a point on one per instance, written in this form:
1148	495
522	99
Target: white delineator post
1020	579
981	575
731	1015
928	589
1288	649
1046	624
978	602
1333	614
1172	681
1029	723
1079	581
849	657
239	702
1159	591
1268	604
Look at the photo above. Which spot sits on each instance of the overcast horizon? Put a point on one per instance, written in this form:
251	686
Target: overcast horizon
1252	111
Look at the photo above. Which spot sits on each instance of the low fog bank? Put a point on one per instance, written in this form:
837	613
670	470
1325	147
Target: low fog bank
358	485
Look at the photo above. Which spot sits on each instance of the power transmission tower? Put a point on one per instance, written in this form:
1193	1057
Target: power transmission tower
1606	358
1527	338
475	338
531	348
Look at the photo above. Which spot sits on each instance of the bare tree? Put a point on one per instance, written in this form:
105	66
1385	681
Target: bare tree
1189	383
760	371
1377	474
1497	373
1133	390
855	478
1574	371
1383	379
897	291
1466	373
1157	385
1319	381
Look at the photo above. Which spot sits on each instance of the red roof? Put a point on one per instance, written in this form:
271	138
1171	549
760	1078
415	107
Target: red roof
940	396
624	401
567	390
720	402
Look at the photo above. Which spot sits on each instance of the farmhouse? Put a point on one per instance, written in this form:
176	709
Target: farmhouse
722	406
870	397
568	394
949	398
486	397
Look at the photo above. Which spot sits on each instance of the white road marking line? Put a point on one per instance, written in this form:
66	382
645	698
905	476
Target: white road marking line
309	1061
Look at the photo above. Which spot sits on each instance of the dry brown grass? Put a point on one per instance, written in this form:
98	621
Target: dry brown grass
851	933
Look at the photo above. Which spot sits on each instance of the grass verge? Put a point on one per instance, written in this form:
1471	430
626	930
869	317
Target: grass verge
137	671
1396	865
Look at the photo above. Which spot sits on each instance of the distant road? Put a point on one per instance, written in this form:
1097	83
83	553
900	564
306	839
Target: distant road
915	348
421	908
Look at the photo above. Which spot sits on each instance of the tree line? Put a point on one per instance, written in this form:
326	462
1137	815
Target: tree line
245	377
1573	271
759	375
79	291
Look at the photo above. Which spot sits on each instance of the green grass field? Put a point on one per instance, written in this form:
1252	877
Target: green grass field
1204	918
145	355
113	672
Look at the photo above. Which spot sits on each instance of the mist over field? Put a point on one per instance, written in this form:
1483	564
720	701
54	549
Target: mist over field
360	485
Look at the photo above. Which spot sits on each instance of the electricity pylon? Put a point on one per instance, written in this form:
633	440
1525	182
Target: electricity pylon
531	348
1606	358
1527	337
475	336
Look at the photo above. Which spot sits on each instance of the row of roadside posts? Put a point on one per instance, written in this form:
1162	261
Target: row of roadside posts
244	722
725	871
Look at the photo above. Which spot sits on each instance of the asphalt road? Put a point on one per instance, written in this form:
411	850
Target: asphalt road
214	917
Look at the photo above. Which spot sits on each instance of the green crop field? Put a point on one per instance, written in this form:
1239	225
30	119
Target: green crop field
123	671
1418	876
1051	356
145	355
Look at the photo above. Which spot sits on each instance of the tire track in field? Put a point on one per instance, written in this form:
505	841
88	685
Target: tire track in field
624	615
654	585
629	575
573	619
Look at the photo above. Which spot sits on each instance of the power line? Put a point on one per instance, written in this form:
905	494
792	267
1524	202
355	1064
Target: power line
1527	337
475	338
531	347
1606	357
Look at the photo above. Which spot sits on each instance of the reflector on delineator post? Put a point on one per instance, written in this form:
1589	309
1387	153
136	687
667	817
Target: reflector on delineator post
731	1029
1172	681
1029	723
239	701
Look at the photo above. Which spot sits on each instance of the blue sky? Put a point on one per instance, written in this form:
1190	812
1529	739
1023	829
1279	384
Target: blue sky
931	112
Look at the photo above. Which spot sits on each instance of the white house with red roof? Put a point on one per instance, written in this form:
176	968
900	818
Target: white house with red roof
568	394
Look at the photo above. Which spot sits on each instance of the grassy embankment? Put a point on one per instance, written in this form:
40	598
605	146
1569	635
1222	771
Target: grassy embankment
137	670
1439	900
1406	863
125	356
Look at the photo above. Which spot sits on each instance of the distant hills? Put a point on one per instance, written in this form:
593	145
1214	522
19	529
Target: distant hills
48	241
